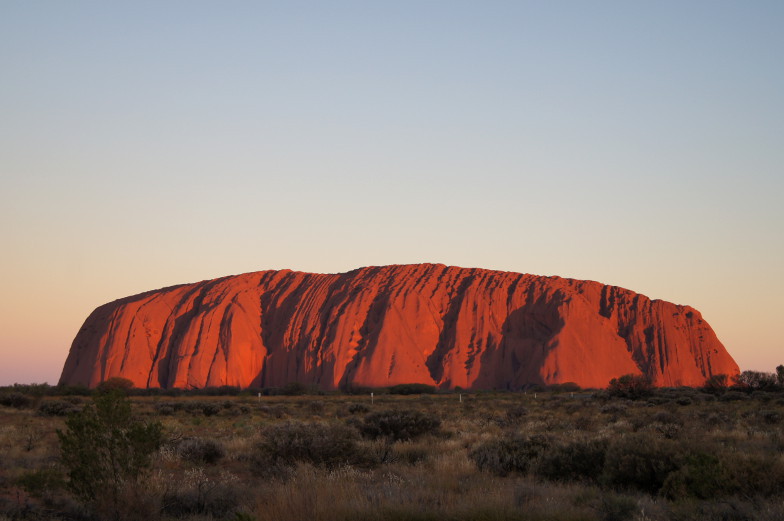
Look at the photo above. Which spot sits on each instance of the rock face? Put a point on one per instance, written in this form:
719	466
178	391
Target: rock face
388	325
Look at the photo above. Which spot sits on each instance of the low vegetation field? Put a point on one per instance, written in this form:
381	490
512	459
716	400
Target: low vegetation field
682	454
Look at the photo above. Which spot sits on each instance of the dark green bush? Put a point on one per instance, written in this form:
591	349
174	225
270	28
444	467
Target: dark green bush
115	383
581	460
200	450
210	409
631	386
105	450
756	380
223	390
733	396
641	462
502	456
412	389
613	408
71	390
16	400
756	475
164	409
716	384
294	389
322	444
276	411
358	408
703	476
399	424
667	417
316	407
56	408
41	482
516	413
566	387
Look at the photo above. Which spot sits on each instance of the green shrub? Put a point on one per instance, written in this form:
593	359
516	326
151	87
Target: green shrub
516	413
276	411
566	387
223	390
316	407
733	396
399	424
328	445
16	400
640	462
703	476
756	475
412	389
56	408
502	456
358	408
41	482
164	409
210	409
105	449
294	389
115	383
631	386
716	384
613	408
756	380
200	450
581	460
667	418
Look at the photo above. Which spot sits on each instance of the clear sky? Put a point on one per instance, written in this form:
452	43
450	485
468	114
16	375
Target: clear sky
145	144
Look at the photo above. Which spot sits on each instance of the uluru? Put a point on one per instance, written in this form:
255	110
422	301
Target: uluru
379	326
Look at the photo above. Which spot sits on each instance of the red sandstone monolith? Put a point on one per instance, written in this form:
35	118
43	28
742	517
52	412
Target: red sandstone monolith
381	326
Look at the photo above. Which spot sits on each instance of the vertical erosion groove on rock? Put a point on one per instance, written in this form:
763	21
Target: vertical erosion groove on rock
381	326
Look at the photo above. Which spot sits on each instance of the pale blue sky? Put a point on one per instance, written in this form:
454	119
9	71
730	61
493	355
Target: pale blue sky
152	143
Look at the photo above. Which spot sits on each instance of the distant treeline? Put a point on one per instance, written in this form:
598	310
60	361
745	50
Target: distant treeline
290	389
629	386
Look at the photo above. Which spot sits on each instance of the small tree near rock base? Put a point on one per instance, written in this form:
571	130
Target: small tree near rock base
632	386
106	452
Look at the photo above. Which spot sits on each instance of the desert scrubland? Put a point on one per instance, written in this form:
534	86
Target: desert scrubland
557	454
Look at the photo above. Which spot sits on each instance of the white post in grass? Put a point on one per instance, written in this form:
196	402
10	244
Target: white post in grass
461	397
371	398
259	397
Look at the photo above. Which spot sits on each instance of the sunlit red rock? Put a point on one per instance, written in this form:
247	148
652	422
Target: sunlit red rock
380	326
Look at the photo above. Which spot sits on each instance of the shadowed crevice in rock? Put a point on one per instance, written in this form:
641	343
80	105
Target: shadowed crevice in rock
447	338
